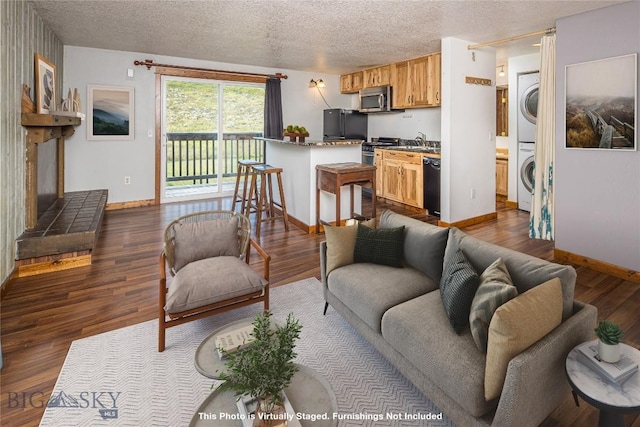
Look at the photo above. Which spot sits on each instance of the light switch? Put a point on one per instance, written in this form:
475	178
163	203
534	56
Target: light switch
130	73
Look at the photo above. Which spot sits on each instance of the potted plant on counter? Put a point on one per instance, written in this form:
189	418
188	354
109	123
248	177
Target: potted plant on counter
265	368
609	337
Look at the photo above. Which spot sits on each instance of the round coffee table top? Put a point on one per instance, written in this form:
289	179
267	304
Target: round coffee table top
601	393
207	361
309	394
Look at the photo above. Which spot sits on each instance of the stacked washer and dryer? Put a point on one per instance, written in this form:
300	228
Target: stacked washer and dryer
528	84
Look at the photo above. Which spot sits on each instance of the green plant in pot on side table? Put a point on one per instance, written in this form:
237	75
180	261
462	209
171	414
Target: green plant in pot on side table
265	368
609	338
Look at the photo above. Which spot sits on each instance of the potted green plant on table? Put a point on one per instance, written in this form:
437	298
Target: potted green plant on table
609	337
265	368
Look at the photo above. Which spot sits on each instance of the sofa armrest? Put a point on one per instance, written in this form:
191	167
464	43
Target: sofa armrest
323	262
536	380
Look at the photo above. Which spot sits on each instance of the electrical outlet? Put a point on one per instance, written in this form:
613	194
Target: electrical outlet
127	180
150	133
473	193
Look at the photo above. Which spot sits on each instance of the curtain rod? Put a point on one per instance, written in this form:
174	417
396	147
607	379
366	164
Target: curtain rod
510	39
149	63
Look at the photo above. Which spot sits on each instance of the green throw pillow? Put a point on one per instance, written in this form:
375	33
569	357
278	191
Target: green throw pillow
381	246
457	288
496	288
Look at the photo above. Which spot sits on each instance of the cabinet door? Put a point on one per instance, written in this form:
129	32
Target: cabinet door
412	193
433	79
356	80
400	84
501	177
392	171
346	83
419	76
384	75
377	160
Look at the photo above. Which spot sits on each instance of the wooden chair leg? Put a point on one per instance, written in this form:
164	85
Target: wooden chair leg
283	204
237	189
261	200
161	335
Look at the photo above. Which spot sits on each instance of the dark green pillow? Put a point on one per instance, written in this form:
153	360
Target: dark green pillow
458	286
380	246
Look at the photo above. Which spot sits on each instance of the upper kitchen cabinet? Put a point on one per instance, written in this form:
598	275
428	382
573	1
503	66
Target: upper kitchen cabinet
351	83
376	77
416	83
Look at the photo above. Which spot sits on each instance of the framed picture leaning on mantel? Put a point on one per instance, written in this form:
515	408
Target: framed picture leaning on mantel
45	85
110	113
601	104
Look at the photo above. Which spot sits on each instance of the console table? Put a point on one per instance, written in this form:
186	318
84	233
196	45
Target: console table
331	177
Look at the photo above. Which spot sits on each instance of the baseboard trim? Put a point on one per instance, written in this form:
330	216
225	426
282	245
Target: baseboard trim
594	264
511	204
470	221
132	204
4	288
48	264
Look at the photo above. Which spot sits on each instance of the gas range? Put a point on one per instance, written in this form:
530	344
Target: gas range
380	142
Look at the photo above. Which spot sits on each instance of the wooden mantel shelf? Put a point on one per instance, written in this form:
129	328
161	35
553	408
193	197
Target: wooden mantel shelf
43	127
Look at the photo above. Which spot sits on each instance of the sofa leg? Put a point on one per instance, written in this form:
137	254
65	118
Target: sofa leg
326	305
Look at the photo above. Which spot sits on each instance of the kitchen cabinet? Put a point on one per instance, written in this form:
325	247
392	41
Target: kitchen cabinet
416	83
377	160
375	77
351	83
502	181
402	177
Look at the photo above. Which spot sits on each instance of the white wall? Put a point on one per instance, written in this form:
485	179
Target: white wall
597	199
468	132
104	164
407	124
517	65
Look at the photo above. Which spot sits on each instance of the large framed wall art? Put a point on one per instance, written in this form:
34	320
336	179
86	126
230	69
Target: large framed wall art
601	104
110	113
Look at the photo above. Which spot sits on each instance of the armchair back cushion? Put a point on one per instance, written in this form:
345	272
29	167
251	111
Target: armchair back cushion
205	239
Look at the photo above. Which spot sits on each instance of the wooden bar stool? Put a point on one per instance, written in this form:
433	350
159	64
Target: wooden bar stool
244	167
264	196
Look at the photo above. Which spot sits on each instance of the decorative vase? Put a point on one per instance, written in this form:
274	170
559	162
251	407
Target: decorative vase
608	353
270	415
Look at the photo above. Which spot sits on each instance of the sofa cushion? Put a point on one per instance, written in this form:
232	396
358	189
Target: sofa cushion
341	243
424	244
495	289
518	324
371	289
205	239
381	246
457	287
418	330
229	277
526	271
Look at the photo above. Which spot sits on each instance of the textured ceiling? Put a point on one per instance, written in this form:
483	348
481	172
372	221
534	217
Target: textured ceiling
330	36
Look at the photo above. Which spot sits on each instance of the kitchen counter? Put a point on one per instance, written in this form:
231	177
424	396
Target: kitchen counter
424	151
298	161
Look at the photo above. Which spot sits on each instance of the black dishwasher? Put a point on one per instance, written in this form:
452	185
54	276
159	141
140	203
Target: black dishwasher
431	185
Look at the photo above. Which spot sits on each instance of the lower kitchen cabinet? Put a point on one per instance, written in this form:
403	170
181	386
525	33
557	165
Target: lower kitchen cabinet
401	177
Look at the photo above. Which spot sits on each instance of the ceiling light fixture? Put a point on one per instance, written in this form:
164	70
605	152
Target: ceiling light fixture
501	73
317	83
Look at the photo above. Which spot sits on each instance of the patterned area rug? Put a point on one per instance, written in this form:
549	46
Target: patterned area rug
119	379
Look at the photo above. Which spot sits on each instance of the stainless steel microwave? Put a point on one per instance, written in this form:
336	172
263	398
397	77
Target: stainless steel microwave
375	99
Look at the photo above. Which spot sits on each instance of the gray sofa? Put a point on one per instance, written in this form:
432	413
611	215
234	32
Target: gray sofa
400	312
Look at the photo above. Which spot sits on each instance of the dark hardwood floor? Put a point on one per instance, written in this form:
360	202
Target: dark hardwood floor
42	315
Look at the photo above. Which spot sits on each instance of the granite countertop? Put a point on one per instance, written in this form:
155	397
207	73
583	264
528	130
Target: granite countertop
315	143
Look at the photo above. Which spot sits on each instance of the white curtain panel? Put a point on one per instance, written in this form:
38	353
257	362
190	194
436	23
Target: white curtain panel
542	207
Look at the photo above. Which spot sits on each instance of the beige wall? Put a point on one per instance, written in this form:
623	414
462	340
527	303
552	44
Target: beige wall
23	35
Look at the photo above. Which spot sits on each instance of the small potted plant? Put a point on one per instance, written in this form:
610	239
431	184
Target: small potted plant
609	337
265	368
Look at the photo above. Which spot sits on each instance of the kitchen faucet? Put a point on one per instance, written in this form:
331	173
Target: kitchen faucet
421	139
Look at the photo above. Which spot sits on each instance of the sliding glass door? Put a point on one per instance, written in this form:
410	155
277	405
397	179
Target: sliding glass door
207	125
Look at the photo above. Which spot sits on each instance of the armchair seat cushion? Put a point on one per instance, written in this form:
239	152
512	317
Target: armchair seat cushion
211	280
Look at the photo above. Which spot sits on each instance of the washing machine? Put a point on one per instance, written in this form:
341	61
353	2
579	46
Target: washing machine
525	174
528	86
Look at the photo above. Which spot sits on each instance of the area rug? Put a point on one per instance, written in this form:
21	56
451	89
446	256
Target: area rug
118	378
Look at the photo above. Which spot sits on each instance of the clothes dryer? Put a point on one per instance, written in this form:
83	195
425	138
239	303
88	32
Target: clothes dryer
528	86
525	174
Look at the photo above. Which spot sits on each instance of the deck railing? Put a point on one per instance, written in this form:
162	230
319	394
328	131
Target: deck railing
192	158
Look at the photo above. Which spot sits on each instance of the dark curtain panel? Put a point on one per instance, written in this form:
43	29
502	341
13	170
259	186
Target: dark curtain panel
273	109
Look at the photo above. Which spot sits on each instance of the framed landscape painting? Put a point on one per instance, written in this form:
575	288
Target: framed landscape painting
601	104
45	85
109	113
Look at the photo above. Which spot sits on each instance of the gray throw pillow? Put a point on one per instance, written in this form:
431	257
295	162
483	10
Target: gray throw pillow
383	246
205	239
457	288
496	288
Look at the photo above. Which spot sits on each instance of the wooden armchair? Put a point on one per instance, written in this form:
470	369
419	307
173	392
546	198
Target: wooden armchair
208	253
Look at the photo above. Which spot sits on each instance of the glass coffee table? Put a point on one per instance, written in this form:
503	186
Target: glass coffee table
309	393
